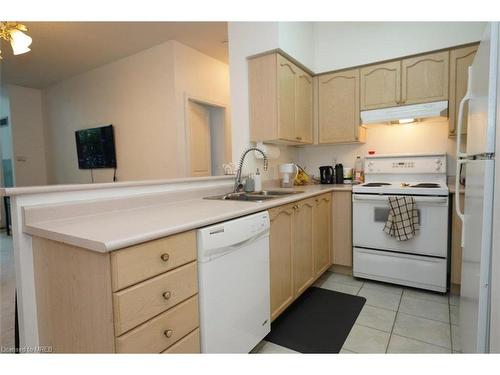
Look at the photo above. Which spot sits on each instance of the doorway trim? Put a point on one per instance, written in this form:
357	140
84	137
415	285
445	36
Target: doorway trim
203	101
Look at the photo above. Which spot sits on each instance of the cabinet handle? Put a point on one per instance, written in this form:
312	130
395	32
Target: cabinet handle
165	257
168	333
167	295
299	138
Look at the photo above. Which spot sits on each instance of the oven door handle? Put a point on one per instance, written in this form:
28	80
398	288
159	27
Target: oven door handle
378	198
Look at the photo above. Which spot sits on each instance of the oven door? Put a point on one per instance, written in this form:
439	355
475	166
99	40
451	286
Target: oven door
370	214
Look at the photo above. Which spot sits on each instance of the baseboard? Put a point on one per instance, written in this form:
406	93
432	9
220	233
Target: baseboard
345	270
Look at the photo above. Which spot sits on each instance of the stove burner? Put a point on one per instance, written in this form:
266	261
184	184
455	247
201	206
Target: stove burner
375	184
426	185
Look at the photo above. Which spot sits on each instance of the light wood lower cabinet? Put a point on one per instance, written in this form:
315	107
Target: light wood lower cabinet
83	305
280	258
303	272
300	239
322	225
342	228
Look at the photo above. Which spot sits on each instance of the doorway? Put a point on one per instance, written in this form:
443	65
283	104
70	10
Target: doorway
208	138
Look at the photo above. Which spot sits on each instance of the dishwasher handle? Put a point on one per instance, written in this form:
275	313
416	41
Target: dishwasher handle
212	254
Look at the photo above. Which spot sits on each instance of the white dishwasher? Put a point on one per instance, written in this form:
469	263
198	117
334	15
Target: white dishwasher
233	278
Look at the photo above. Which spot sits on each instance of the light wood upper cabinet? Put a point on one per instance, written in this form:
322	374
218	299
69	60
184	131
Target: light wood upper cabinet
338	107
287	74
381	85
342	229
425	78
460	60
322	233
303	245
280	258
304	107
281	109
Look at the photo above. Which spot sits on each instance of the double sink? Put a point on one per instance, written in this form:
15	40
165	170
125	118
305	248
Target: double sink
258	197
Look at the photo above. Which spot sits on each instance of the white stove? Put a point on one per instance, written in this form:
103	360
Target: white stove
421	261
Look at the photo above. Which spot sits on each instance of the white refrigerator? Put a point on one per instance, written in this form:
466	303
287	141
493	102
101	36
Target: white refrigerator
479	293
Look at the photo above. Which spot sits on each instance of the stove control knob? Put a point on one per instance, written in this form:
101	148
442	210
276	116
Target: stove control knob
439	164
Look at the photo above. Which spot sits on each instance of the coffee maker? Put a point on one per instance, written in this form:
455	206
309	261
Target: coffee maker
326	173
288	172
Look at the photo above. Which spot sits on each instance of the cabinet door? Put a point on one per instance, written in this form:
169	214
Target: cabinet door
303	246
425	78
303	107
280	254
342	228
322	234
338	102
287	73
460	60
381	85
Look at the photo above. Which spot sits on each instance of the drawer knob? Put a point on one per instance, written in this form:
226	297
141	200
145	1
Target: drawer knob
167	295
165	257
168	333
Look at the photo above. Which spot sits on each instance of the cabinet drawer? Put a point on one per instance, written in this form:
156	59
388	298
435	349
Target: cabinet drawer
187	345
138	263
135	305
161	332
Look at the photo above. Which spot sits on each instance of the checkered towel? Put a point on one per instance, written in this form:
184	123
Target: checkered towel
402	221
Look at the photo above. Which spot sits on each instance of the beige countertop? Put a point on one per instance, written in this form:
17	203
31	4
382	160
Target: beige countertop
118	228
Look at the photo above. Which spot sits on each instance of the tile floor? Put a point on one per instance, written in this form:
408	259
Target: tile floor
394	319
7	292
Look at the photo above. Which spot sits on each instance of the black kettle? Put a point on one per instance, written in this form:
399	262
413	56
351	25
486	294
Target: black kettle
326	173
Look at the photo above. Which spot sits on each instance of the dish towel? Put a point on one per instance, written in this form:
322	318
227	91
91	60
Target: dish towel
402	222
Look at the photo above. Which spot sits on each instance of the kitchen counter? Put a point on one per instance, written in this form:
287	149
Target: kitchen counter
126	223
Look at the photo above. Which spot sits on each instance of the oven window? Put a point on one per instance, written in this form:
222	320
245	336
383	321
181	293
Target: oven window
382	213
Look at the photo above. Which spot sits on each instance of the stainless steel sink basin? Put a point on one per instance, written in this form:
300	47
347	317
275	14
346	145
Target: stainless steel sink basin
253	197
276	192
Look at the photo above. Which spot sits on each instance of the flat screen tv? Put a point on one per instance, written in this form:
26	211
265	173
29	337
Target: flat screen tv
96	148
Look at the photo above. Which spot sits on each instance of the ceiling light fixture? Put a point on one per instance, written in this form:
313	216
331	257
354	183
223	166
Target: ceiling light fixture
13	33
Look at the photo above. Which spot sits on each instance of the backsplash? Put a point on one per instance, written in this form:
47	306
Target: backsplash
425	137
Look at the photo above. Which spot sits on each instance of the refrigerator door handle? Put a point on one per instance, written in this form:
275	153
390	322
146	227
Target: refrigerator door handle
464	100
461	157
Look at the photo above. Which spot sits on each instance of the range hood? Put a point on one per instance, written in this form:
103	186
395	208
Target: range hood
406	113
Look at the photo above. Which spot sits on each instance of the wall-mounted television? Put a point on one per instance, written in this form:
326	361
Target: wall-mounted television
96	148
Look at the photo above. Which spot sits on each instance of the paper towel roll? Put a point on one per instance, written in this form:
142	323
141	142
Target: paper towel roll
272	151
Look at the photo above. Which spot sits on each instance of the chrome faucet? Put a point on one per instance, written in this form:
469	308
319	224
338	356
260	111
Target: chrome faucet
238	186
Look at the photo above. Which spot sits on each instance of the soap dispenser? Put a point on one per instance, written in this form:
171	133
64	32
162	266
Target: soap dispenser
257	179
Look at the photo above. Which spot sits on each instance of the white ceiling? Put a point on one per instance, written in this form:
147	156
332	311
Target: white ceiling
64	49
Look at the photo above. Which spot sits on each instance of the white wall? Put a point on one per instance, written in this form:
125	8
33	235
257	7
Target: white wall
339	45
296	39
143	97
28	138
425	137
247	39
205	79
